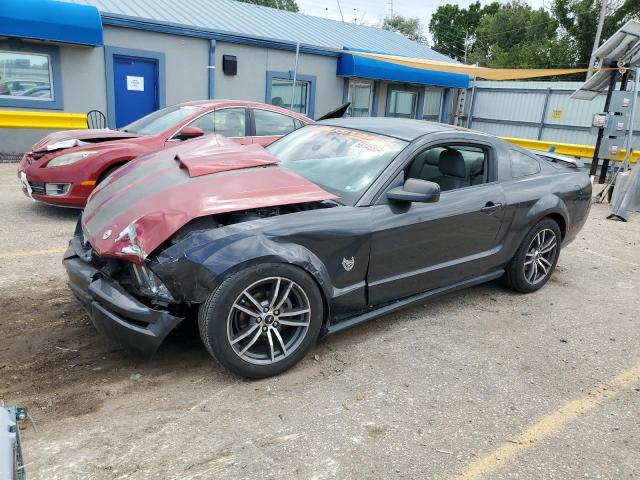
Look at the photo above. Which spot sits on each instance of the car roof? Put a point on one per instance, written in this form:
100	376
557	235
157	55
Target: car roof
402	128
244	103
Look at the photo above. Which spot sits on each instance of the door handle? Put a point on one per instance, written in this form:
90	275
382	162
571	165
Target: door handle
490	207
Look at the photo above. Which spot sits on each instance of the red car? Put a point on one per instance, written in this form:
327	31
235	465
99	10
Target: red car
64	167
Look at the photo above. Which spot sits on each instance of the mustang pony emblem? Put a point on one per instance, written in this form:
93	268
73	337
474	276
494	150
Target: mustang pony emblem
348	263
106	234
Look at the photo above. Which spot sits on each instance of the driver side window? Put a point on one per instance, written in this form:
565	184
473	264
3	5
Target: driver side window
230	122
205	122
451	166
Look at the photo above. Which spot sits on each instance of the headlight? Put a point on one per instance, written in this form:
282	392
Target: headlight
69	158
149	284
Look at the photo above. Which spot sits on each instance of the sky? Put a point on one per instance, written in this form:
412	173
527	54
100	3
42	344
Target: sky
372	12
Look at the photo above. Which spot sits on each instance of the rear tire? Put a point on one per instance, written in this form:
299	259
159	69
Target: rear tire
261	342
536	258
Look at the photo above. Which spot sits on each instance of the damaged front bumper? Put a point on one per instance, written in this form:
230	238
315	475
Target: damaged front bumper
115	313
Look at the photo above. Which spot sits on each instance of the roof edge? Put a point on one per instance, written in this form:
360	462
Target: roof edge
125	21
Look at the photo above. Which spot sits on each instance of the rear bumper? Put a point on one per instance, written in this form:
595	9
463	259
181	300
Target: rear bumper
114	312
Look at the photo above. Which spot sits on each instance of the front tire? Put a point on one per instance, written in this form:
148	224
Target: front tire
536	258
261	321
108	172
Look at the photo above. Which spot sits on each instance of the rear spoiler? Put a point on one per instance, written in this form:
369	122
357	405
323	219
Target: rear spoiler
337	113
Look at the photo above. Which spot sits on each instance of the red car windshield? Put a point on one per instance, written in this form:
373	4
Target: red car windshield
161	120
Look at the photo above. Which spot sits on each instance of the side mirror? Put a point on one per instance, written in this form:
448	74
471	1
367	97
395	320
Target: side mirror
415	190
190	132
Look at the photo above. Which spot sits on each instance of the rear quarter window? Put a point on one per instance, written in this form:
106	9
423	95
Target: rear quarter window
522	165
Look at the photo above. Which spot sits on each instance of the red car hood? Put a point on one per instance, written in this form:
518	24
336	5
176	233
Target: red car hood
65	138
145	202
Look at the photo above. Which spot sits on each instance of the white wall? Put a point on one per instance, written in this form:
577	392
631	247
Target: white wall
186	60
253	64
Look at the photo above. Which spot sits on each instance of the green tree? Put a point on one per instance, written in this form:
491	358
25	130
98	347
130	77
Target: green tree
289	5
450	26
409	27
579	21
518	36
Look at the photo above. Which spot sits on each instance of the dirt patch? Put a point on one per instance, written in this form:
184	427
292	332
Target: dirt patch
53	361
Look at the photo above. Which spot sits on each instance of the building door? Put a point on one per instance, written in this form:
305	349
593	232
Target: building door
402	102
135	82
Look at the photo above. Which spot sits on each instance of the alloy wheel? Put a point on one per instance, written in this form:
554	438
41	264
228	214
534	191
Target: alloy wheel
269	320
540	256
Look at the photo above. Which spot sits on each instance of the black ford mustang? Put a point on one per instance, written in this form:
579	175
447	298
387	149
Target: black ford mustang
337	223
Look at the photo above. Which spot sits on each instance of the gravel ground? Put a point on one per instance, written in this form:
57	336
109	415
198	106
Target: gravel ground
480	383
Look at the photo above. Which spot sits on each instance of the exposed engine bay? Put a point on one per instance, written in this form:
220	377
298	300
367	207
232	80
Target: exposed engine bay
231	218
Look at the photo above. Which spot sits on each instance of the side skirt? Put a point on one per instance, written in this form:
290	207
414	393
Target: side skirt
405	302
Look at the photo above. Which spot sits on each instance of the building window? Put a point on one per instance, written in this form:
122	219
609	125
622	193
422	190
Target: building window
26	76
402	104
360	94
281	95
278	92
432	105
30	76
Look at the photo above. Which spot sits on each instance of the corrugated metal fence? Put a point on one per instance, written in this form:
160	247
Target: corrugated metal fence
534	110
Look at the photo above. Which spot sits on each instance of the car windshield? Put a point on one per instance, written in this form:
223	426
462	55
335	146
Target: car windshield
158	122
344	162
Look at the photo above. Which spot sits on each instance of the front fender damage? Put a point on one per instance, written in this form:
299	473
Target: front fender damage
197	265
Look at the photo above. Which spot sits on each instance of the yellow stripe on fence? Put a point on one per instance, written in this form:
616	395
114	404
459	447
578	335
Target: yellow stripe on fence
44	120
570	149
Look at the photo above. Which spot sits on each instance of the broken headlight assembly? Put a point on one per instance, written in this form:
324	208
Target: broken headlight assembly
148	284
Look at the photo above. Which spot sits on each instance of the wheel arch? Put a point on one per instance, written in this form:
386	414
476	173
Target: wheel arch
117	162
550	206
318	275
547	206
560	220
213	266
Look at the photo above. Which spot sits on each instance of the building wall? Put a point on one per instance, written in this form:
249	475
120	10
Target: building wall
536	110
84	84
253	64
186	60
83	89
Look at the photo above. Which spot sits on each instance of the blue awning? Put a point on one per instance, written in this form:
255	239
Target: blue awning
52	21
362	67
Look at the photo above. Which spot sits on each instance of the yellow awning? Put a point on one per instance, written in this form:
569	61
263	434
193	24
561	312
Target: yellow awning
471	70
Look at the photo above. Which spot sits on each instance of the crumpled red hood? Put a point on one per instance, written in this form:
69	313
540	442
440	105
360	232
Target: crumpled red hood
82	135
149	199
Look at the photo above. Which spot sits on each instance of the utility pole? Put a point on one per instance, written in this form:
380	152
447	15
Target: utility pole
596	41
466	43
340	8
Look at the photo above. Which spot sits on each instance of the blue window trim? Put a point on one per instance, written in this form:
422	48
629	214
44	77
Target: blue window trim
311	99
345	90
405	88
56	73
446	111
212	68
374	99
109	53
